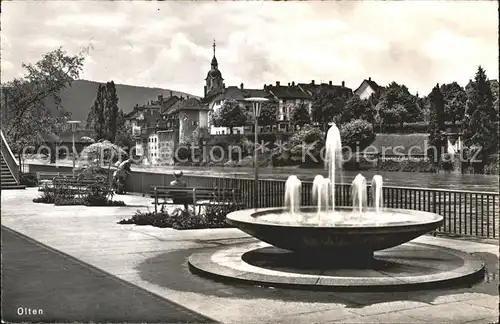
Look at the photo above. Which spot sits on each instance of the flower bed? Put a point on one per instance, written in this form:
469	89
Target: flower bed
214	217
65	193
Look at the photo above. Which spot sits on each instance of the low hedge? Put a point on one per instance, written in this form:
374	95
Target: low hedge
406	165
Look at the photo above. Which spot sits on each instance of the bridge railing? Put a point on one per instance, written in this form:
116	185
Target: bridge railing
464	212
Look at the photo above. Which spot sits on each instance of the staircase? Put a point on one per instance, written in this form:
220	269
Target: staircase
9	167
8	180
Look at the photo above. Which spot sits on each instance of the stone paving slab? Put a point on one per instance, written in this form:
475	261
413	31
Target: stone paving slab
164	271
447	313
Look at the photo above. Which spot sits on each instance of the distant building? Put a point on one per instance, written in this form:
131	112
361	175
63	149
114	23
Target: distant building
237	94
288	97
367	88
188	115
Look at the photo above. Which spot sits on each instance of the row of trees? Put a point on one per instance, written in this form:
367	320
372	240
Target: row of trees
475	108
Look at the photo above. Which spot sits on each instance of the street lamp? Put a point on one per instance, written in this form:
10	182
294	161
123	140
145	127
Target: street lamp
73	124
257	105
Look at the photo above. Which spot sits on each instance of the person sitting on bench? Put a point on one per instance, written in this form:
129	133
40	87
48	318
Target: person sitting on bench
180	198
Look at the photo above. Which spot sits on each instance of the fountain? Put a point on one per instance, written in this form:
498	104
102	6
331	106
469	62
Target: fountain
358	194
320	194
327	239
293	188
376	190
333	156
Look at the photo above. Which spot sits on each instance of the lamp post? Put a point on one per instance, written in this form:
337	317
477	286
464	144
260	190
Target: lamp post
257	105
73	124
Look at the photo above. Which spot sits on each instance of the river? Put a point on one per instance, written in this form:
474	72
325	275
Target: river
443	180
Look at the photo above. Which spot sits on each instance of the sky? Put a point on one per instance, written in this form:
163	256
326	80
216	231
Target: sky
169	44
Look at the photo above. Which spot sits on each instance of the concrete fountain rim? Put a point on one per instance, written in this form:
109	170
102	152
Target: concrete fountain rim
250	216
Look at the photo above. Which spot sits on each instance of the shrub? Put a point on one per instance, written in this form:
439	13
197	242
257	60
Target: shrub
214	217
406	165
68	201
97	195
492	166
45	199
447	162
28	179
389	165
356	132
309	139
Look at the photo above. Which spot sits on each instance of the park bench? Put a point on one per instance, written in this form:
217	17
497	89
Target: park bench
71	187
45	179
196	197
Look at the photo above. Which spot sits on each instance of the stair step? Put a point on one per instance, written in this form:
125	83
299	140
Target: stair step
12	187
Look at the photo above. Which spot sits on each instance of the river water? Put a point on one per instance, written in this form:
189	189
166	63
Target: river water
443	180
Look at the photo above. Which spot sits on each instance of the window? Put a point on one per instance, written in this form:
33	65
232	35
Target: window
195	123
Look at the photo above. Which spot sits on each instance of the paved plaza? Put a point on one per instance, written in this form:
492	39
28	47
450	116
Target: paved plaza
95	269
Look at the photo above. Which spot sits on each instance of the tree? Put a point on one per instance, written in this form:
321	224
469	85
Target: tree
300	115
105	118
396	94
480	126
494	92
326	107
437	125
111	111
390	115
28	120
357	108
231	114
268	113
123	137
356	132
455	99
96	119
306	145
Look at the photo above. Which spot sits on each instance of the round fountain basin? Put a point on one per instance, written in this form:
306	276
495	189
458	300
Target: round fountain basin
344	232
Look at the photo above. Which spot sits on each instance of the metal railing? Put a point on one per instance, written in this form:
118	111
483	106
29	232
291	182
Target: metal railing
465	212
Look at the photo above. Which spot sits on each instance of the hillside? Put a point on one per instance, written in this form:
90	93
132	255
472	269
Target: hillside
78	98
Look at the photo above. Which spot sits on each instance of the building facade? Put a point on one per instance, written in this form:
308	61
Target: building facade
367	88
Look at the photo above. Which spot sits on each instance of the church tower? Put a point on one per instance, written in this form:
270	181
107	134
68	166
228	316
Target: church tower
214	80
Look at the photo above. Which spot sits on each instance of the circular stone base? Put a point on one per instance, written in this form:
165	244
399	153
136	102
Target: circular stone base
411	265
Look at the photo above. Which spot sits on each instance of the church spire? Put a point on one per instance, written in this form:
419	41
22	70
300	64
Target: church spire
214	80
214	64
